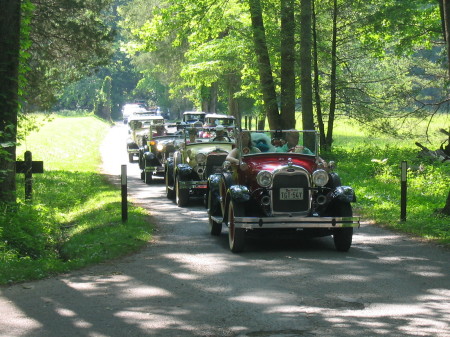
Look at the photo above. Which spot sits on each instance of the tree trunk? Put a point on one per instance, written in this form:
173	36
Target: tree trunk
305	64
329	139
446	209
287	98
321	125
264	66
233	85
444	6
9	73
209	98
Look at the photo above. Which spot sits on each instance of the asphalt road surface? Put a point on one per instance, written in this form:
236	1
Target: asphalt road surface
187	283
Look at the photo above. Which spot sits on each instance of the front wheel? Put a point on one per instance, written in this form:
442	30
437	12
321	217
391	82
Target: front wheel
170	194
236	236
343	236
181	194
148	177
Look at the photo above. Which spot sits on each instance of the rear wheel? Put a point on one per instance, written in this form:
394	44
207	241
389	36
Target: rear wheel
343	236
236	236
215	227
181	194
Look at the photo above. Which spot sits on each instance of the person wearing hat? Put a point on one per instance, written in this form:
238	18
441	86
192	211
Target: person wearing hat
221	135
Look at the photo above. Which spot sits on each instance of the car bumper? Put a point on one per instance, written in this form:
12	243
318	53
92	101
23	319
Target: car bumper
200	185
154	169
292	222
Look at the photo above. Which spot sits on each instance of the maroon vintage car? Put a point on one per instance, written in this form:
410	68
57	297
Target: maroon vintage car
276	180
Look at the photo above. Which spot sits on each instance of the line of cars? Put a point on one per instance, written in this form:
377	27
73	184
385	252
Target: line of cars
251	181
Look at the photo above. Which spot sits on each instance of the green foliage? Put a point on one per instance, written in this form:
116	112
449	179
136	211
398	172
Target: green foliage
372	167
35	239
75	217
102	107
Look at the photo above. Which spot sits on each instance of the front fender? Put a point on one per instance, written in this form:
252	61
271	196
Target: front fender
184	171
344	193
239	193
214	194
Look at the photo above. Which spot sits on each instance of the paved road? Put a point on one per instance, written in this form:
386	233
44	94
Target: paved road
187	283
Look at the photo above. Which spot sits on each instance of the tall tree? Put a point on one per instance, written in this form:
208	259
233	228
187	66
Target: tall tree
10	12
287	48
306	64
264	66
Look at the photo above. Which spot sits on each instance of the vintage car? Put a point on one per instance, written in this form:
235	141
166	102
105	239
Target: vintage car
279	182
159	144
129	109
213	120
138	129
188	170
191	117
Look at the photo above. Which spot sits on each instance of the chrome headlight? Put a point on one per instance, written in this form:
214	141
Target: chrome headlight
200	158
159	147
320	177
264	178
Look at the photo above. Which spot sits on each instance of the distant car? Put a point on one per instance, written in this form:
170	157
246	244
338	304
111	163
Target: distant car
188	170
286	187
191	117
160	143
130	109
138	130
214	119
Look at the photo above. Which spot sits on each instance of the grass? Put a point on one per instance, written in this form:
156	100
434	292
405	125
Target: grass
371	165
75	217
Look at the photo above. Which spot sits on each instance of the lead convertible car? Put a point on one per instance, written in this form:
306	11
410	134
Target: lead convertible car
280	183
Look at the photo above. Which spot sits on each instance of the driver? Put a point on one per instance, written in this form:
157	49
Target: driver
247	148
220	135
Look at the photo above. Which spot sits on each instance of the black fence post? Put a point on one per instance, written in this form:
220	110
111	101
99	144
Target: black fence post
404	187
123	180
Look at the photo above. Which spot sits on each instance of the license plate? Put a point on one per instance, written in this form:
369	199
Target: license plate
291	193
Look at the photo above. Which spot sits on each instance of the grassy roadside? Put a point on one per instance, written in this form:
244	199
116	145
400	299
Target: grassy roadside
75	217
371	165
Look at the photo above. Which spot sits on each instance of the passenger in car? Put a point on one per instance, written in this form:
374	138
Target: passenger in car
247	148
292	145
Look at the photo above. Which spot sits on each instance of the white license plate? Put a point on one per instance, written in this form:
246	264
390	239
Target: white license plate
291	193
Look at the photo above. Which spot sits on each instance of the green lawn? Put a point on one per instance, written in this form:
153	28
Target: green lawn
75	217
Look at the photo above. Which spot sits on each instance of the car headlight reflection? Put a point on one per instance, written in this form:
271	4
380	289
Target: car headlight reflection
200	158
264	178
160	147
320	177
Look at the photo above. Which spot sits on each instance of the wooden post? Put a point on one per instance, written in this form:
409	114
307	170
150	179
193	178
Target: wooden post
404	187
124	193
28	167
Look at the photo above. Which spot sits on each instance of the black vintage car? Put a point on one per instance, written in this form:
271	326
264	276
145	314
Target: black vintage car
188	170
159	144
282	185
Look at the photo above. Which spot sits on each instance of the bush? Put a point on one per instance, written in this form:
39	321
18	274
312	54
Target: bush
36	239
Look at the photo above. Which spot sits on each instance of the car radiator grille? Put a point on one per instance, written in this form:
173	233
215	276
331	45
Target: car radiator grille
284	179
214	163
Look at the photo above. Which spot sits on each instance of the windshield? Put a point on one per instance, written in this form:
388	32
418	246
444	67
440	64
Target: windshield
278	141
193	117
